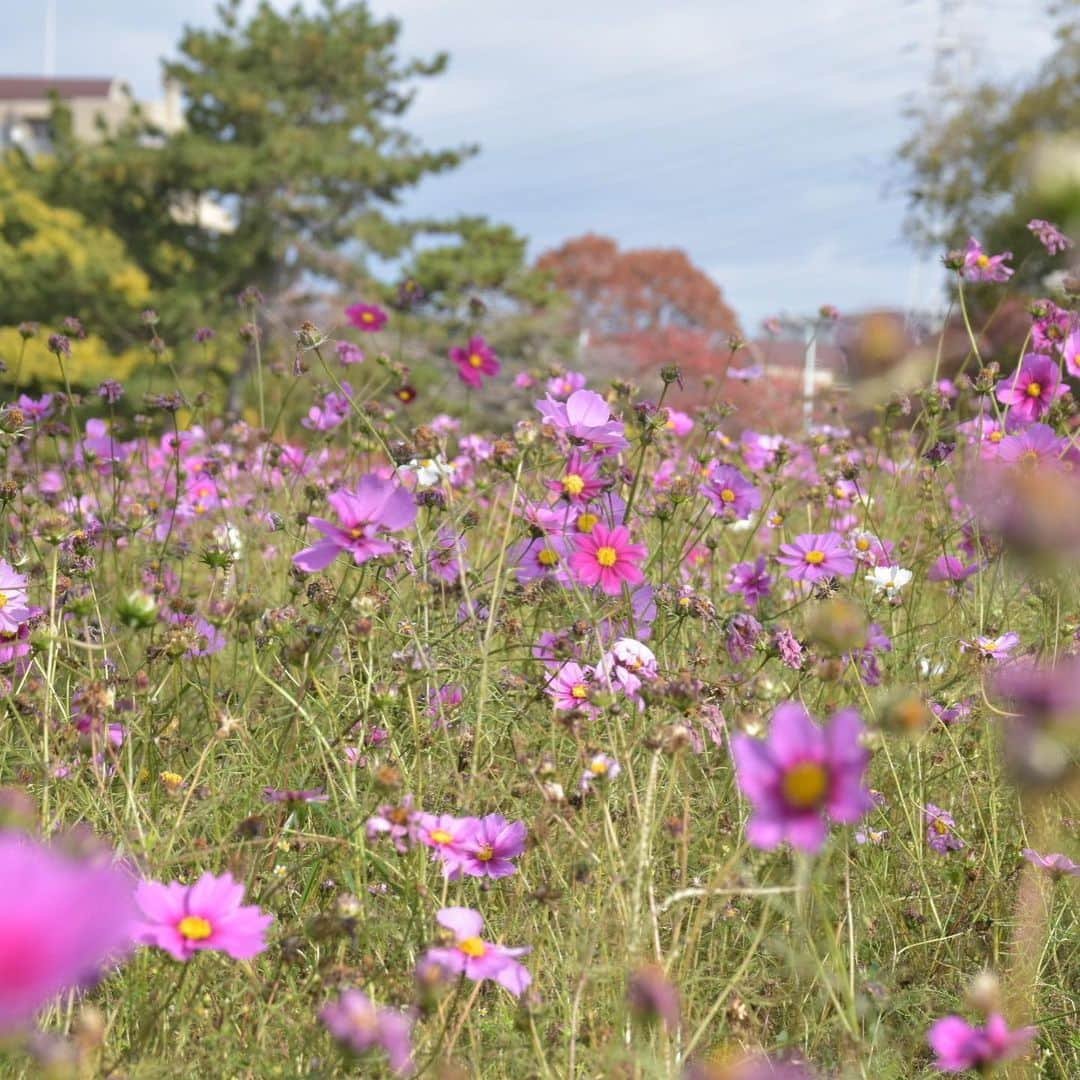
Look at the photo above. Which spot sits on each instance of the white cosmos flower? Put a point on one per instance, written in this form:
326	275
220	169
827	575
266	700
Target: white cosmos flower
889	580
428	471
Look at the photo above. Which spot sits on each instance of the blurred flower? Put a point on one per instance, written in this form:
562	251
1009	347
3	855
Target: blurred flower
359	1025
651	995
1057	865
1050	236
62	920
939	830
800	774
978	266
960	1046
474	361
367	317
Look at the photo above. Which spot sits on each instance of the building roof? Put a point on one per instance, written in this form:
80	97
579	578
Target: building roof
33	87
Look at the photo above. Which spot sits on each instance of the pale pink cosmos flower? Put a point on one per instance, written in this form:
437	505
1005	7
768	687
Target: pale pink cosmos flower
586	418
184	919
1057	865
446	835
470	955
14	606
978	266
813	556
1049	235
488	849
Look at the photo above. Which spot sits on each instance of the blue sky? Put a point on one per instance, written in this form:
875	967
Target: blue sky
757	136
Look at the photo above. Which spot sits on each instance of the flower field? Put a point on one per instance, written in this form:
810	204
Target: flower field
354	738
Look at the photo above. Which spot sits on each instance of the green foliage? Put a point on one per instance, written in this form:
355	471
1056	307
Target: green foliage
978	159
294	131
53	263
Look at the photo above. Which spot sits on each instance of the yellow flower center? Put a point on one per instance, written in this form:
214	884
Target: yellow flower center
194	928
862	544
486	853
939	826
982	261
587	522
805	785
997	436
356	532
1034	389
607	556
727	495
476	360
3	600
171	779
598	768
441	836
573	484
580	692
472	946
547	557
815	557
368	317
776	520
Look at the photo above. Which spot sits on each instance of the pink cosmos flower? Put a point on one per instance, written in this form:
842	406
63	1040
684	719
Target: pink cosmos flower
1032	389
398	822
581	481
800	774
960	1046
607	558
1036	444
731	494
1049	235
751	581
1057	865
475	361
952	568
562	386
475	958
994	649
14	607
569	687
939	830
600	769
488	849
813	556
543	557
61	922
366	317
586	418
376	506
978	266
183	919
1070	350
359	1025
679	423
446	836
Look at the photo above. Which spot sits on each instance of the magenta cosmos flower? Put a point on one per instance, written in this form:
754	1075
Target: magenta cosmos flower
486	851
359	1026
376	507
800	774
1070	350
959	1045
475	958
607	558
475	361
366	317
978	266
585	417
1031	390
182	919
14	607
813	556
61	922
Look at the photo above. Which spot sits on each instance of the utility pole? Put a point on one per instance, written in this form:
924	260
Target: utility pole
50	38
809	373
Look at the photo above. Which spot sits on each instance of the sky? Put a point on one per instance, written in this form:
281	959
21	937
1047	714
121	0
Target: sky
759	137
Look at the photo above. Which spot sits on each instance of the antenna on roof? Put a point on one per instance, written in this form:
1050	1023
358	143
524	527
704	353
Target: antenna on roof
50	37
